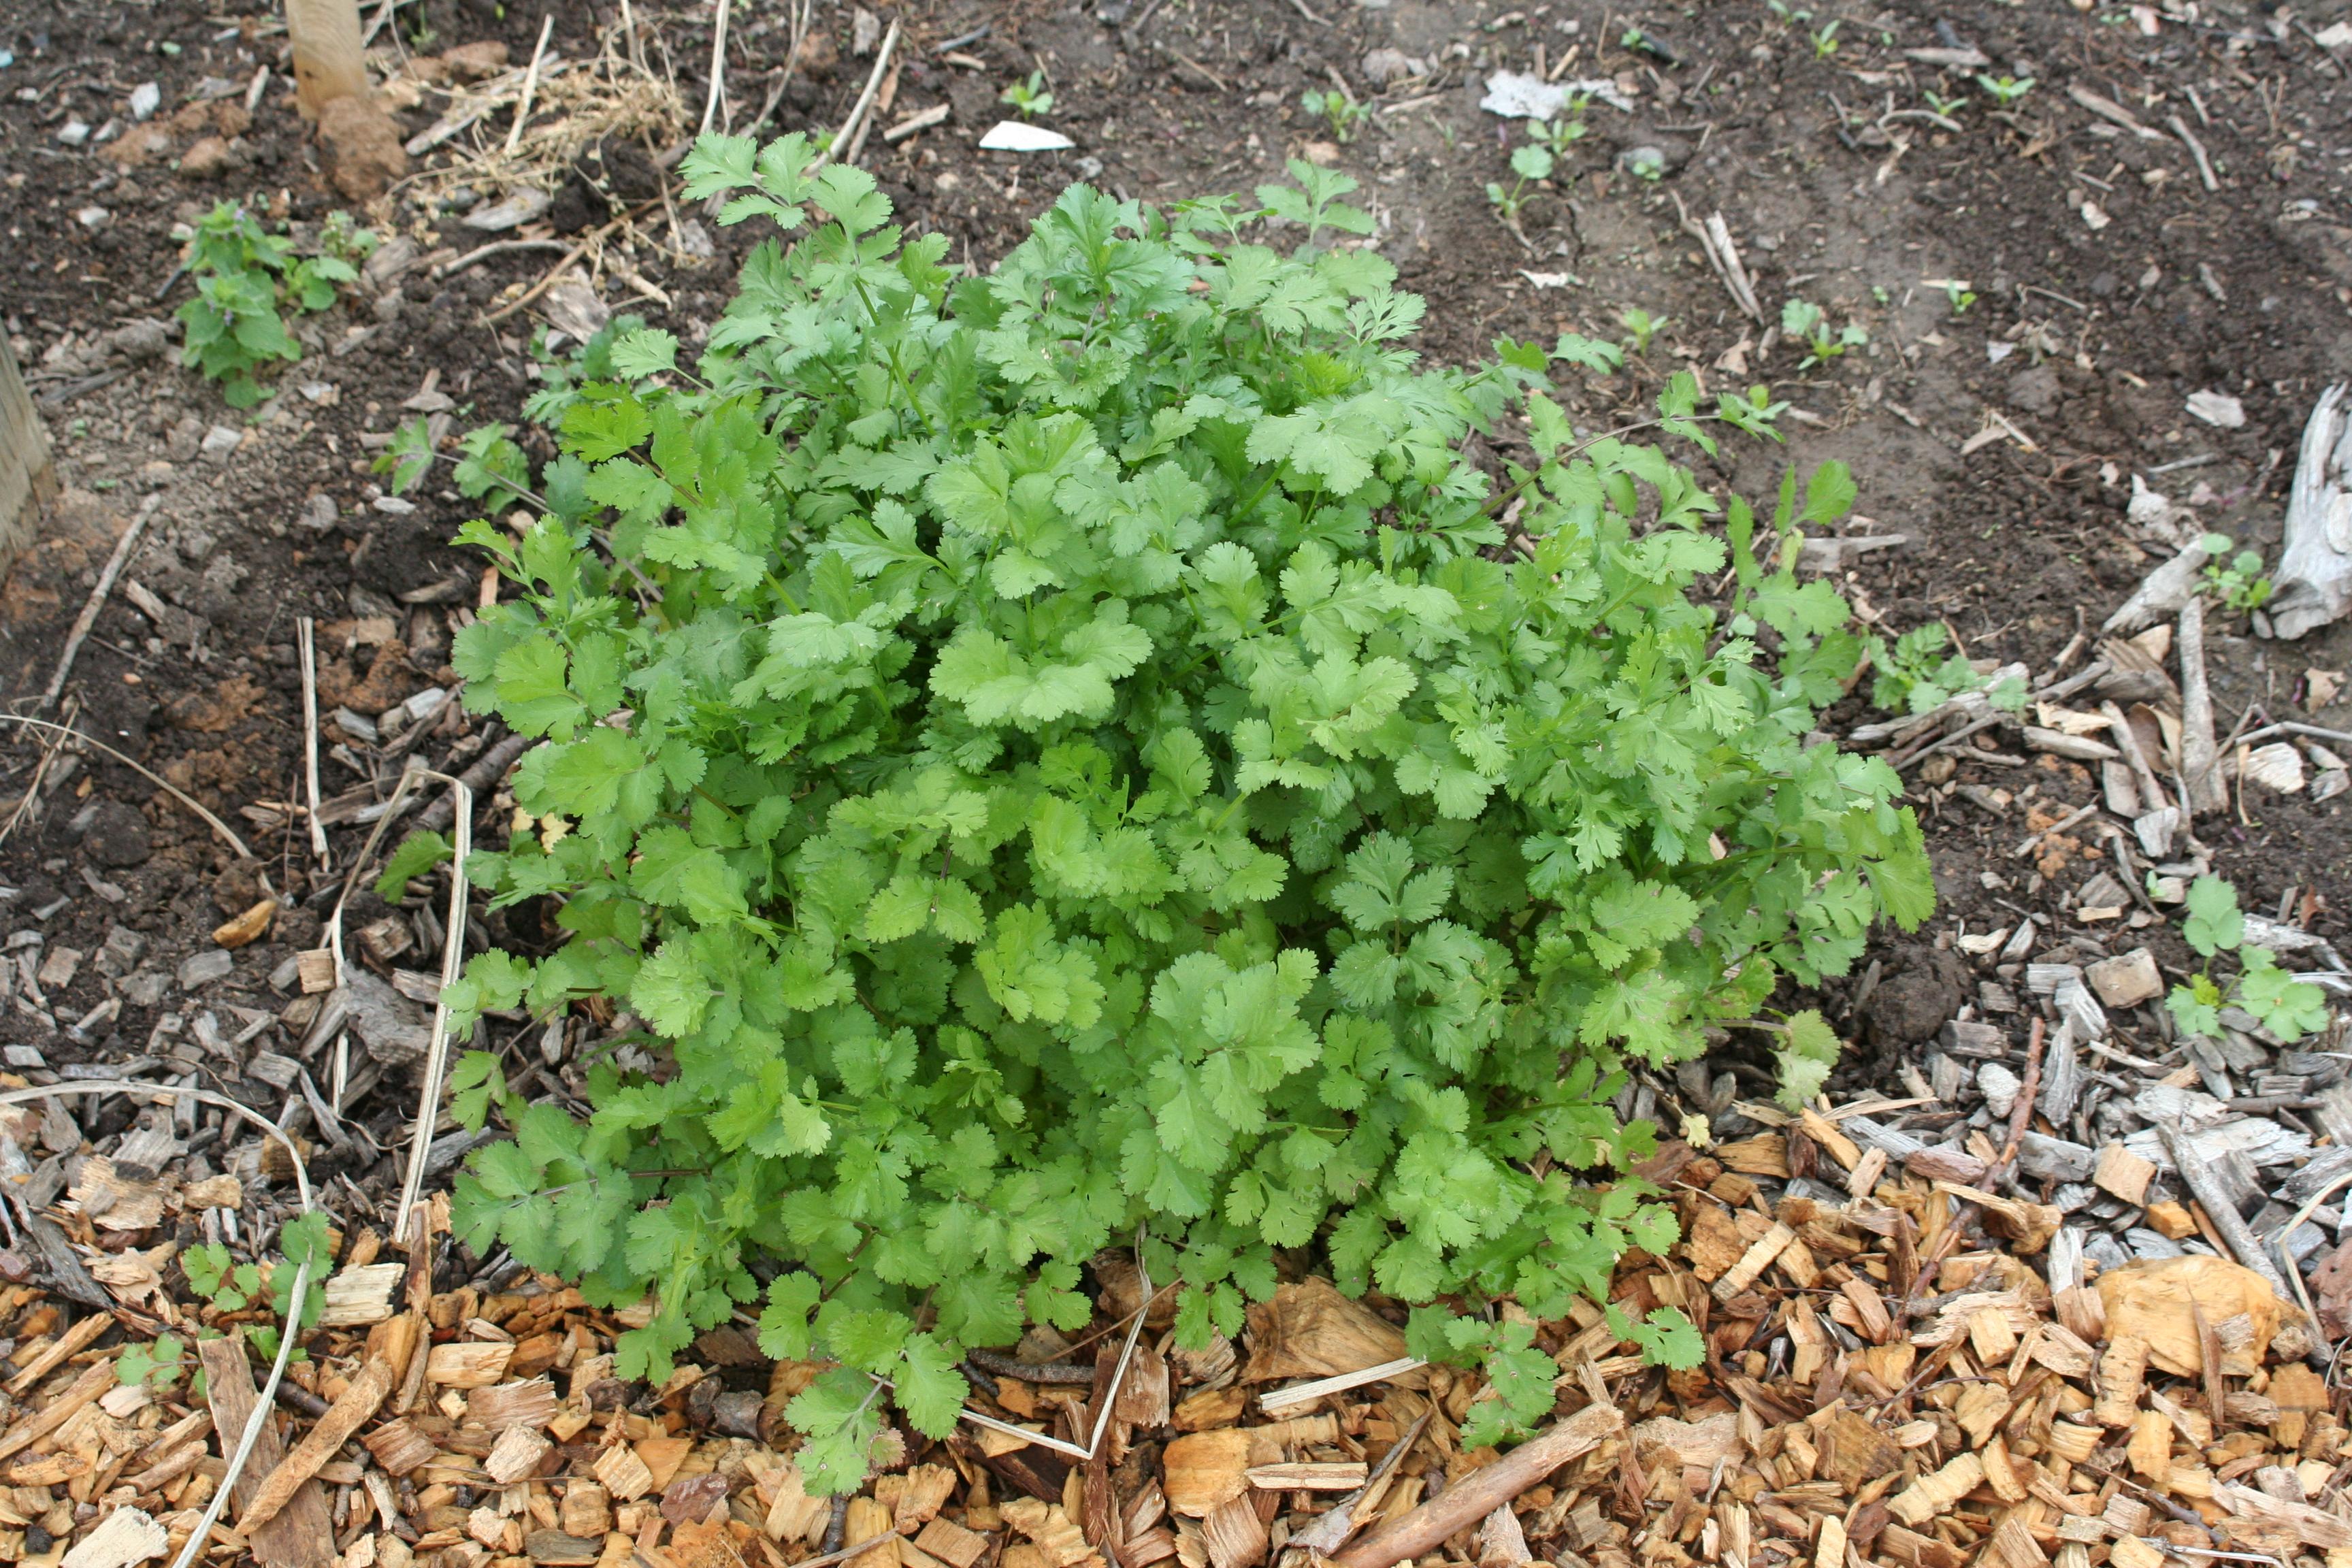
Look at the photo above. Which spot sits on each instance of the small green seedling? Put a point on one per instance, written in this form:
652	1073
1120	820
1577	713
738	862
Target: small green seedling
158	1365
2287	1007
2241	584
242	274
1960	296
1646	164
1825	42
1805	321
1916	677
1528	163
1343	114
2006	90
1946	107
1643	326
487	463
1562	132
1029	98
212	1275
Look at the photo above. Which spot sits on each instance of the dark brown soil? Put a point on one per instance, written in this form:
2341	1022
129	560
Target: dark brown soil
2107	285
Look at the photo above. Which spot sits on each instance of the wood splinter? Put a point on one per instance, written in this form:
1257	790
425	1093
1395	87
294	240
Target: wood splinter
1478	1494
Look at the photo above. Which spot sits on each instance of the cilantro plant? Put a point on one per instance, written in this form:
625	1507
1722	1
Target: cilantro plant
1068	758
2240	584
1529	163
1029	98
159	1364
1915	675
242	274
2287	1007
486	465
1807	1050
1808	325
2005	90
1343	114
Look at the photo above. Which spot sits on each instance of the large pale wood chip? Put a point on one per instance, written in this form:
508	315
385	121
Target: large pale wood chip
54	1413
868	1520
1308	1330
346	1415
399	1447
586	1510
2312	1526
1829	1551
2134	1551
1930	1495
792	1514
467	1364
1754	1261
951	1543
530	1403
1235	1536
360	1295
1337	1476
123	1537
62	1350
929	1487
623	1473
2012	1544
515	1455
1206	1471
1051	1528
1854	1450
300	1534
1501	1542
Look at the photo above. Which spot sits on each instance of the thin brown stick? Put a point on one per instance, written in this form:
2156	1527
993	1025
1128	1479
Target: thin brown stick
718	70
306	644
865	101
2021	1113
496	247
529	83
89	616
349	1412
1478	1494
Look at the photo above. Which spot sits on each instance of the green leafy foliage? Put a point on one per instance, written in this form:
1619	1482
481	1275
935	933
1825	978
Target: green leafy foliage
2287	1006
1029	98
1807	1050
1343	114
1915	675
1810	325
418	853
1054	756
243	273
2238	582
158	1365
1665	1337
212	1274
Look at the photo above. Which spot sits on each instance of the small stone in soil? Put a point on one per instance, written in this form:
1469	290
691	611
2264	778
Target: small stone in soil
144	989
115	833
220	441
203	968
23	1056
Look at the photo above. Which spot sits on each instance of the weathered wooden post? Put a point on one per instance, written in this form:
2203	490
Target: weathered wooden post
360	141
27	478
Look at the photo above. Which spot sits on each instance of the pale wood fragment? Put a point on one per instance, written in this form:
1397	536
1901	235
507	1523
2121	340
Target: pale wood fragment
360	1400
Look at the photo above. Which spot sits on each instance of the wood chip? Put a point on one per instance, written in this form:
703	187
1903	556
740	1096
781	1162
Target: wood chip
515	1455
345	1416
1752	1263
399	1447
299	1534
467	1364
951	1543
2124	1173
1334	1477
623	1474
124	1537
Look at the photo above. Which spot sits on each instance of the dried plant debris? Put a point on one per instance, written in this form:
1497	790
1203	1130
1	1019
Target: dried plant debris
1913	1352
